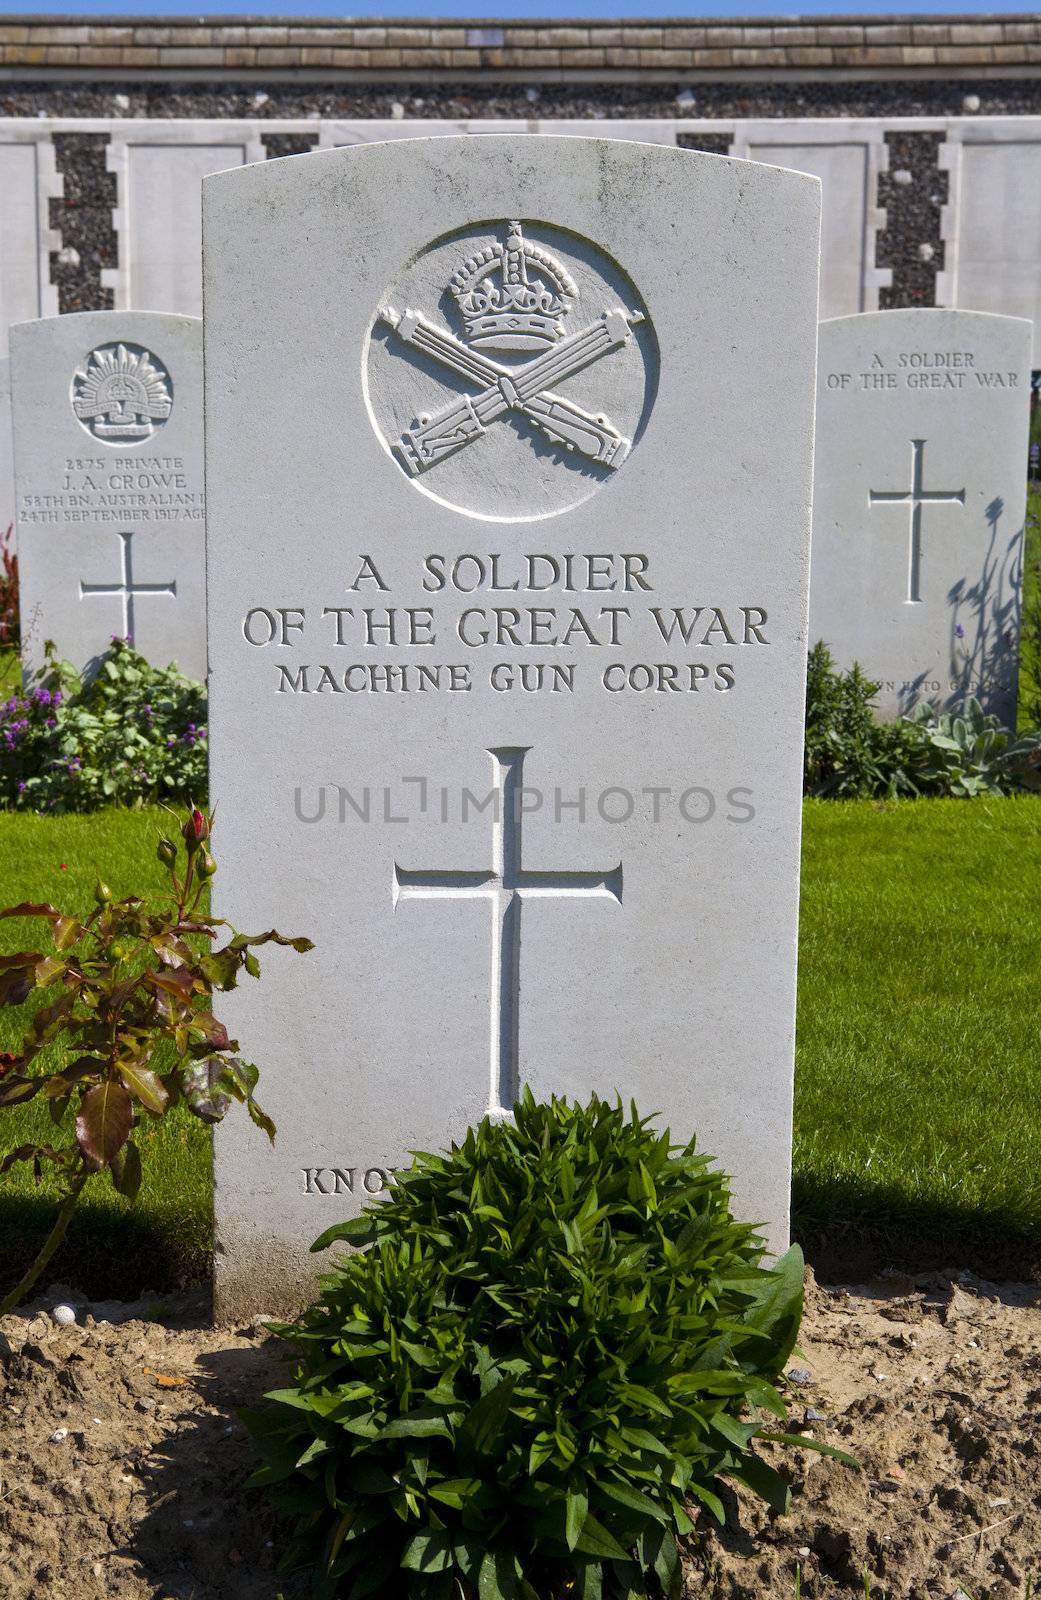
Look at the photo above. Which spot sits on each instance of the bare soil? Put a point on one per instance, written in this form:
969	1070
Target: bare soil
122	1460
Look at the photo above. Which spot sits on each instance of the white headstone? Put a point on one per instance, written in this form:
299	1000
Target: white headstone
109	480
919	502
482	449
6	451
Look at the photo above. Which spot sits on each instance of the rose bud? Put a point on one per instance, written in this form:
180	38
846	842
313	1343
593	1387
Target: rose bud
166	852
196	830
205	866
102	893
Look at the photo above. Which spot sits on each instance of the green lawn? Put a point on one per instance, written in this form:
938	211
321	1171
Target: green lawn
918	1131
918	1078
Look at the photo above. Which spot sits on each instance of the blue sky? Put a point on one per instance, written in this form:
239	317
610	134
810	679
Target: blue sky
530	9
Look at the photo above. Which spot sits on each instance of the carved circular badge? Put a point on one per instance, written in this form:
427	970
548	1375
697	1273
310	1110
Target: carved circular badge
511	370
122	394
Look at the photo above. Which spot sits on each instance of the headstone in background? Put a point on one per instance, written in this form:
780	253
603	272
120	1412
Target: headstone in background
919	501
507	616
6	451
109	481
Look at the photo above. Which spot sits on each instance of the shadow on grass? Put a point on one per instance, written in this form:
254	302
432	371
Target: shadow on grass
850	1230
105	1255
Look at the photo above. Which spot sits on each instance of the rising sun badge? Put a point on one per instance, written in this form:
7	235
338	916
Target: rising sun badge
122	393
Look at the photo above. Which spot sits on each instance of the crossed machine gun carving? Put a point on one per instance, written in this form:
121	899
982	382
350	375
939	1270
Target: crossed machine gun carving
525	389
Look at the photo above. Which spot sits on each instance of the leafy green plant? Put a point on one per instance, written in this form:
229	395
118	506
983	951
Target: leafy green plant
848	752
130	732
969	752
553	1339
136	976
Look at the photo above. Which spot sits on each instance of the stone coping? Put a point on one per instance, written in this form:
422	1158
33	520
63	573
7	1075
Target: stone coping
424	50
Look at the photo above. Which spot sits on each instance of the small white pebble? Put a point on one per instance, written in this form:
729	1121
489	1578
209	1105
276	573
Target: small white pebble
121	102
971	102
803	1552
58	1436
260	98
926	252
902	177
397	110
64	1315
96	1420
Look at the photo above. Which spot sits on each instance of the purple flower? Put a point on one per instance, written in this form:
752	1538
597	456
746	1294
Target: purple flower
959	631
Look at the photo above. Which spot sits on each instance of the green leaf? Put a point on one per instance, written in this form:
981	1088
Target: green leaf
576	1509
358	1230
455	1492
642	1504
591	1581
416	1425
596	1540
261	1118
482	1428
804	1441
46	970
66	931
497	1579
145	1086
428	1552
105	1119
711	1501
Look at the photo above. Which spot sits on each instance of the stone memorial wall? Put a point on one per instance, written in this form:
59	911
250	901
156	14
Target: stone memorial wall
916	210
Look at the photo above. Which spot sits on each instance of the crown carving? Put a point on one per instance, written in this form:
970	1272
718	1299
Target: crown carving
513	295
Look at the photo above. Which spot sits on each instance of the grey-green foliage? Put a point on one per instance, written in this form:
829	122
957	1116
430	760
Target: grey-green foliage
553	1342
969	751
962	753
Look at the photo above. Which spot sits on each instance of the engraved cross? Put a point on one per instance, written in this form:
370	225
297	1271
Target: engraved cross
916	497
506	886
126	587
